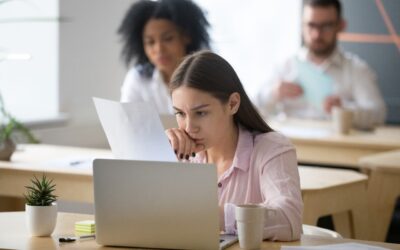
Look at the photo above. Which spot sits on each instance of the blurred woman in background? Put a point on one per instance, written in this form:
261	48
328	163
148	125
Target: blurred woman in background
156	36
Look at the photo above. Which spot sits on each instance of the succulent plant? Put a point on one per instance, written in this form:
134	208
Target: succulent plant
40	193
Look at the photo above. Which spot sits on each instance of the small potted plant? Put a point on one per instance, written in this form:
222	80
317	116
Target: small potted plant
10	128
41	206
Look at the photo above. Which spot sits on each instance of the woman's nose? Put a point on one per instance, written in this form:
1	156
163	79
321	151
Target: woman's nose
158	47
190	126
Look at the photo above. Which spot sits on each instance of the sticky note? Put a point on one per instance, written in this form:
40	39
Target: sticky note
86	226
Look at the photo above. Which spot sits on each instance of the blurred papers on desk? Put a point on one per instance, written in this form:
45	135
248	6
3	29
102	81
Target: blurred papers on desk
304	132
134	130
72	162
342	246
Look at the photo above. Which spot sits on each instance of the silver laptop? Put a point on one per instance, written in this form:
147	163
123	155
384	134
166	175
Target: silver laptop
157	205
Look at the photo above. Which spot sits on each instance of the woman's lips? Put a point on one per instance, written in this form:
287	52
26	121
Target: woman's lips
198	141
163	60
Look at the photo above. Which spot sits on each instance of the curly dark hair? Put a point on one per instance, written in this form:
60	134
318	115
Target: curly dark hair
183	13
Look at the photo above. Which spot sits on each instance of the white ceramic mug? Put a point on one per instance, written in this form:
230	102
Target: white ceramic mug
250	220
342	120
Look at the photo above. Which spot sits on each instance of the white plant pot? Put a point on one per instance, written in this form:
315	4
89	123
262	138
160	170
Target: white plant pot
41	220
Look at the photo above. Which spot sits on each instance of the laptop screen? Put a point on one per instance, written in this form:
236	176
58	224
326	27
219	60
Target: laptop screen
156	204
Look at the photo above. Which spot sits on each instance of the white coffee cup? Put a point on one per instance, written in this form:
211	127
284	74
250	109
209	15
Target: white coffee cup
342	120
250	220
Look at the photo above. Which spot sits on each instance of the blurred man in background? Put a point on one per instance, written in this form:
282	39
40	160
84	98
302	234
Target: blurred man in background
343	79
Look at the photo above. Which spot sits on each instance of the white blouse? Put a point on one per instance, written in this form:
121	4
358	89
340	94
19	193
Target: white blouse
264	171
153	89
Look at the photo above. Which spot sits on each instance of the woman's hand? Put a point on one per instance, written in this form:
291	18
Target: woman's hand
183	145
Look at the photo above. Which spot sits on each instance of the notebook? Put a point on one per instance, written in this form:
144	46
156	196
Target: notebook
157	205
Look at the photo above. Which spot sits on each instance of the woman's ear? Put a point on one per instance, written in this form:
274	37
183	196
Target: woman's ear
234	103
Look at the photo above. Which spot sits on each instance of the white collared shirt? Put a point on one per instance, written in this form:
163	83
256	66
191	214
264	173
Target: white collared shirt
153	89
353	81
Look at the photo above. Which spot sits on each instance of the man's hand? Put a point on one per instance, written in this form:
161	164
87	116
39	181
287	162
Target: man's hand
330	102
288	90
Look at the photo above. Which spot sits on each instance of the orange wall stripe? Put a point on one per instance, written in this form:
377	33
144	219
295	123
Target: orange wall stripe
388	23
366	38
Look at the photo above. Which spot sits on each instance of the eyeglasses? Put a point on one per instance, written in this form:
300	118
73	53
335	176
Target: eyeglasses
322	27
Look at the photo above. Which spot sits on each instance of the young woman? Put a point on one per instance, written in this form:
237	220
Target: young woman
218	124
156	36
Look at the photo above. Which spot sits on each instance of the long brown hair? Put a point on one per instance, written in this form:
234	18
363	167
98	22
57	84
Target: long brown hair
211	73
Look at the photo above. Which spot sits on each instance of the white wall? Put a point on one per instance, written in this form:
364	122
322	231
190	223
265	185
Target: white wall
254	35
29	29
90	65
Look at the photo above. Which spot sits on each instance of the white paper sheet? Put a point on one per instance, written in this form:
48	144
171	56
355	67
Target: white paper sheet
342	246
72	162
134	131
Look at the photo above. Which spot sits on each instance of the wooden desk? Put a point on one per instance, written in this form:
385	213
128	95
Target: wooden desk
316	143
383	190
73	183
14	235
337	192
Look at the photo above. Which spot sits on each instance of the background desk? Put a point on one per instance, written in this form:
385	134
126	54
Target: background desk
74	182
316	143
15	236
341	193
383	190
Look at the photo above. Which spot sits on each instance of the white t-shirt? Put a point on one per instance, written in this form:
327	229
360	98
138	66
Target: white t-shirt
353	81
153	89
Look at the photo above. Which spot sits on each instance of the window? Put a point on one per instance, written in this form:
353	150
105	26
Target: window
254	35
29	58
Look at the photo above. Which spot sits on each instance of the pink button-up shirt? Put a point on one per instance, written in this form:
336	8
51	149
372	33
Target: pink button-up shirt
264	171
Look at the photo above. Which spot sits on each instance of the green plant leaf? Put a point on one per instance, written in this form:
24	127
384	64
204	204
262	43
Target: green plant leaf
10	125
40	193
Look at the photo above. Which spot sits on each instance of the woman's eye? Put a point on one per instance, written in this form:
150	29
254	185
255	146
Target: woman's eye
178	113
149	42
201	113
168	38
